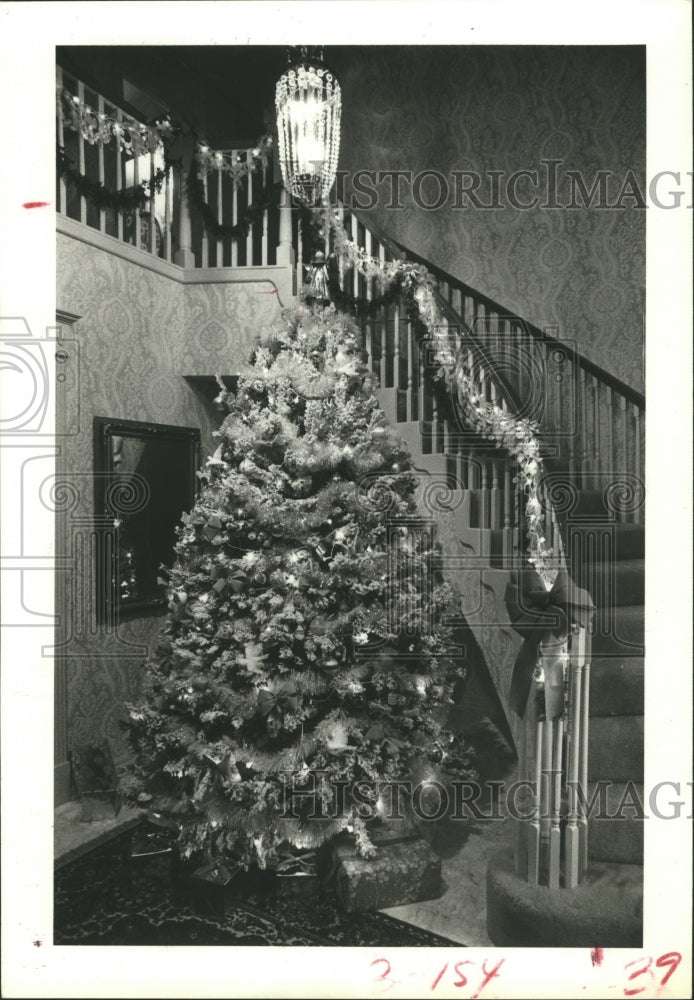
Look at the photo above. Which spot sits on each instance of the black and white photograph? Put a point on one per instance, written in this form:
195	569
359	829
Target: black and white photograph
346	578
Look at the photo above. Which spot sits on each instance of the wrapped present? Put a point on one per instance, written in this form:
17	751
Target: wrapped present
403	870
213	887
297	877
153	846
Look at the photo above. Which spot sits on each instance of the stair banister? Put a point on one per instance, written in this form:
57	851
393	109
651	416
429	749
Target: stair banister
553	751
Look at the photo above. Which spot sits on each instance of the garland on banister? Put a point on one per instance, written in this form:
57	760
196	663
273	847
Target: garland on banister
102	197
268	197
518	437
236	165
97	128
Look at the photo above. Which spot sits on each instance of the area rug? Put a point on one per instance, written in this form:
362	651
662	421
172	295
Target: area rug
106	898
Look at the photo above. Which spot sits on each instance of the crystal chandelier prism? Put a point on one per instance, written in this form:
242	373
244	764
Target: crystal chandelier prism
309	104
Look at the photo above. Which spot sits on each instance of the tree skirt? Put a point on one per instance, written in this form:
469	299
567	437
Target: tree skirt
105	898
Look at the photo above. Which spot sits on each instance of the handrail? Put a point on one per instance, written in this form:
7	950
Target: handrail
590	366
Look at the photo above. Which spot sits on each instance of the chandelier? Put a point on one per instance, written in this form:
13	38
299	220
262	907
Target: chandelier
308	103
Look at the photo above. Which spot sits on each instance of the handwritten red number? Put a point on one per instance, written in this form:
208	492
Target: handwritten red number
638	972
488	976
385	975
463	978
671	958
438	978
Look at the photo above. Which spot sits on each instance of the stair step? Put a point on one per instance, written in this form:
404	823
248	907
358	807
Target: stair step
630	539
619	631
615	748
616	686
605	911
619	839
621	582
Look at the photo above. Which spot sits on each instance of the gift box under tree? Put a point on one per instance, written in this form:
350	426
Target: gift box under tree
153	845
214	887
296	878
402	870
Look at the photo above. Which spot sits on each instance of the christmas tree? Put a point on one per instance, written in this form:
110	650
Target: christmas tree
304	649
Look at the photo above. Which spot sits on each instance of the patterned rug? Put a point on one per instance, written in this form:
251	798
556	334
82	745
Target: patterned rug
106	898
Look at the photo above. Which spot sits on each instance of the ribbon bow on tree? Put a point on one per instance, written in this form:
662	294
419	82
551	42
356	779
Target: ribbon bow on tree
276	703
538	614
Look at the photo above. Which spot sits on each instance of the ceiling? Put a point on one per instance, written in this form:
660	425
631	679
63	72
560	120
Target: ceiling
226	92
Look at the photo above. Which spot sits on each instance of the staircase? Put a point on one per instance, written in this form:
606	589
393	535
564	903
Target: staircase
594	501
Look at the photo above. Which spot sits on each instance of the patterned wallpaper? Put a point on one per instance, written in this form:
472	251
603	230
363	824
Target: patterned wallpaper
139	333
484	109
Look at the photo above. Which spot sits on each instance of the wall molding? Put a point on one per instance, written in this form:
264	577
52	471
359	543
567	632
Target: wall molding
278	275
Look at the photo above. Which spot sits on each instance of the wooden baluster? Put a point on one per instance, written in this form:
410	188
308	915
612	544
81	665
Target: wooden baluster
119	170
625	457
62	187
609	448
368	342
396	346
638	462
555	831
546	797
410	406
421	383
219	249
264	243
583	438
484	493
299	255
168	213
341	260
381	260
457	301
383	373
102	172
585	715
249	238
534	824
571	424
136	209
235	218
435	430
80	147
152	220
572	863
596	463
507	538
556	536
494	498
355	269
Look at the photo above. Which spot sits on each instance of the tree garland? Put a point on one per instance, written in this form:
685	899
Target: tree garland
102	197
518	437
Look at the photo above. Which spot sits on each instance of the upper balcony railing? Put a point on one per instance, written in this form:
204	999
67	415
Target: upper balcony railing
108	155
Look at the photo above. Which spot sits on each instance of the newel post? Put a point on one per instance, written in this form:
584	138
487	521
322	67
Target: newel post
286	255
184	256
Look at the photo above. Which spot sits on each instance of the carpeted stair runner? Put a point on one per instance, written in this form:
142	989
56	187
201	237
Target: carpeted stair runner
606	909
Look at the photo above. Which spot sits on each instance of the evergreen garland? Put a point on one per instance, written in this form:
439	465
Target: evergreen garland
102	197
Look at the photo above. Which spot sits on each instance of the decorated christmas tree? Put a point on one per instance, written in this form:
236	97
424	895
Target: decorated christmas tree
303	670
